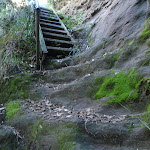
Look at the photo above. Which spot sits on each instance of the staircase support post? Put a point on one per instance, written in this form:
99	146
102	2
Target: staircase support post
37	39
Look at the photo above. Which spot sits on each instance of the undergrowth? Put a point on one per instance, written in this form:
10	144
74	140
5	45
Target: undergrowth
121	87
12	108
70	22
18	39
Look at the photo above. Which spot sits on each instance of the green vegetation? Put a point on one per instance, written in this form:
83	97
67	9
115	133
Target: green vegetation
121	87
71	22
64	134
12	108
90	42
114	58
146	116
145	34
17	44
130	43
66	139
15	88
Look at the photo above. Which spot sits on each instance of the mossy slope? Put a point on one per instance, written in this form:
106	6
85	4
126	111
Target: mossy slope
120	87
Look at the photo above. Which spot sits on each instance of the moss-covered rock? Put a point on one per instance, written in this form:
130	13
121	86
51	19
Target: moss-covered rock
120	87
12	108
15	88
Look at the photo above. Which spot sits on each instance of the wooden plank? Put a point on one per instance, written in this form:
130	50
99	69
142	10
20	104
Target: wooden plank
54	31
37	39
59	41
59	48
57	35
49	17
49	21
49	24
44	13
42	41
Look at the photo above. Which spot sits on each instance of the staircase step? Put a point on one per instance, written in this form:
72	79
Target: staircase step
49	16
62	32
58	43
59	48
58	51
56	36
46	14
46	11
52	22
49	25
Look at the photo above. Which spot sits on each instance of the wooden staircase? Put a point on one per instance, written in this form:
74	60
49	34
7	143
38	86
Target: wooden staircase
57	40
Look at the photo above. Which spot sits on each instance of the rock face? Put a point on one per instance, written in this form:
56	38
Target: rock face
60	113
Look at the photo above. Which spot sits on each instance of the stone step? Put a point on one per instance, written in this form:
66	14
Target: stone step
62	32
49	25
58	43
52	22
56	36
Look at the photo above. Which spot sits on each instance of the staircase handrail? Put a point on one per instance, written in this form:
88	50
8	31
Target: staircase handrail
40	42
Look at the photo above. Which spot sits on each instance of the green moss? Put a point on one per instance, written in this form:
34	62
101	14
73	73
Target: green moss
64	134
110	59
90	42
94	87
115	58
12	108
66	137
15	88
120	87
146	116
145	34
